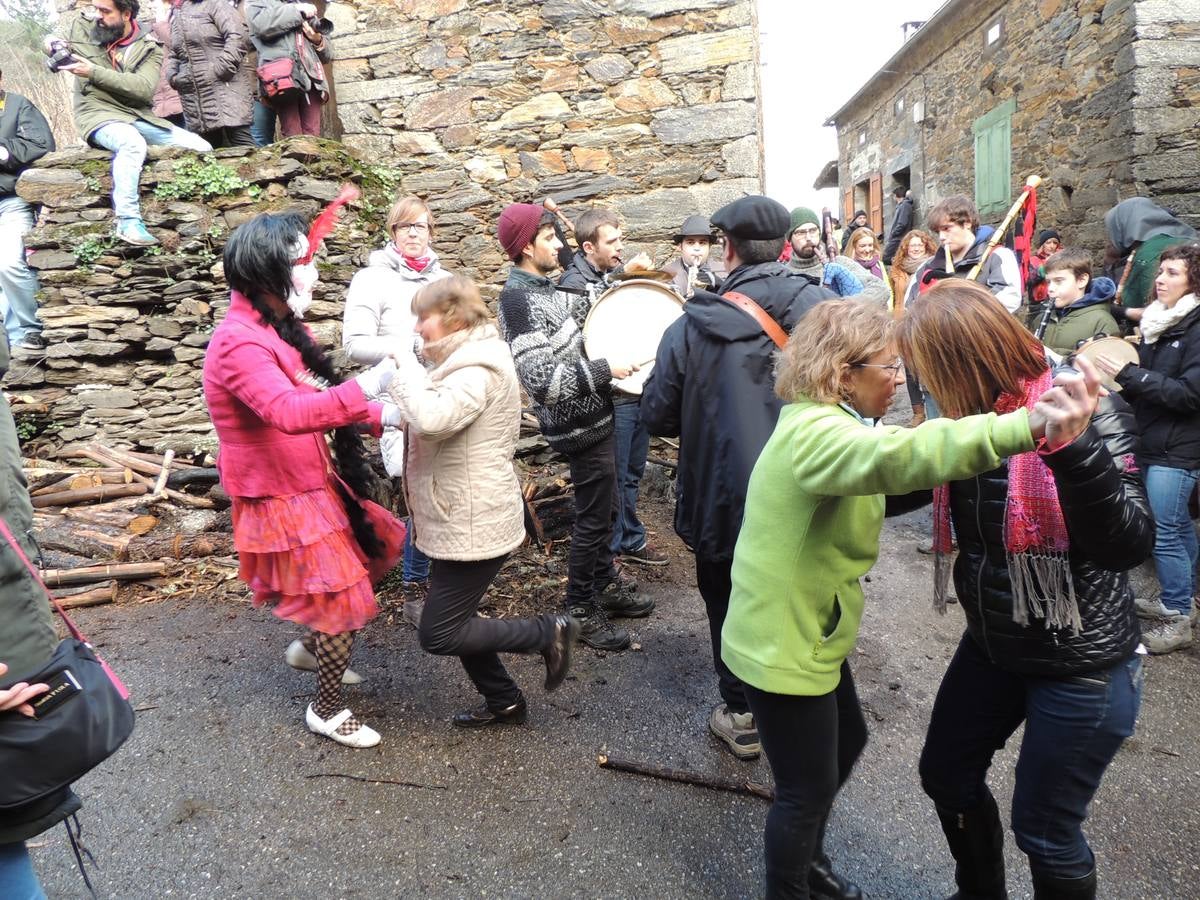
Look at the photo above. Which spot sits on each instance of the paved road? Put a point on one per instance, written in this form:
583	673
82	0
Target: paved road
221	792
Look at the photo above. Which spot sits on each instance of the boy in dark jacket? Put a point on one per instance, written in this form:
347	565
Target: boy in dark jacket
1079	306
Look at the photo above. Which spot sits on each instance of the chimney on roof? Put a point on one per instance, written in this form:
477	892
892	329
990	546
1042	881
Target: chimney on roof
911	28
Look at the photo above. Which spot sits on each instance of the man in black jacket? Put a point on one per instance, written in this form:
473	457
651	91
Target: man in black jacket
24	138
902	222
601	252
713	387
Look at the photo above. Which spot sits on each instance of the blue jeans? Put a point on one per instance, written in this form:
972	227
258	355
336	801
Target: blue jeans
127	141
931	407
1175	546
631	443
1074	725
262	129
17	880
18	282
416	563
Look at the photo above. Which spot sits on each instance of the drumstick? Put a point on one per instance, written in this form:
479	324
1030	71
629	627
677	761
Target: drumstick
550	206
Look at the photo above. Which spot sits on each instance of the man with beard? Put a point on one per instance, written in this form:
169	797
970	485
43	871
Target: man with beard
571	396
599	255
117	66
713	387
842	275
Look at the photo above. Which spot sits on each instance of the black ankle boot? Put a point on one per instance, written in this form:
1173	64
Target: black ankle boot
483	717
976	840
826	884
1054	887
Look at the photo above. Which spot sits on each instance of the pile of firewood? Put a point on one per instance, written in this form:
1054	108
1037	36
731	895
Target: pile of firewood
105	517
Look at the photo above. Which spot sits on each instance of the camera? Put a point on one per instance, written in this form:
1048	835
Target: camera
60	55
320	25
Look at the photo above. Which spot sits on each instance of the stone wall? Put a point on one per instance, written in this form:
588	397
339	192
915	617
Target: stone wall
648	106
126	327
1070	67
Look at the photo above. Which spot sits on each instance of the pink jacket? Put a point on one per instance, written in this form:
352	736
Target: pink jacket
270	421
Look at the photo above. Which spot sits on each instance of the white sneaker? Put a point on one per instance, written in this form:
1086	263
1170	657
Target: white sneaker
360	739
298	657
736	730
1169	634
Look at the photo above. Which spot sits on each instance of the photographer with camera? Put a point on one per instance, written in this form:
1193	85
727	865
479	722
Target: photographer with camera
117	65
292	43
24	138
207	63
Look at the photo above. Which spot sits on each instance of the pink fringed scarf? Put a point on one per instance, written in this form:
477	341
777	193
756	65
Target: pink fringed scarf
1035	533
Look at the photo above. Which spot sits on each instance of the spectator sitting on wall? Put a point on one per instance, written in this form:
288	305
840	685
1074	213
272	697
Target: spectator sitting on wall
902	222
24	138
1047	243
207	63
859	221
117	65
842	275
1140	227
283	29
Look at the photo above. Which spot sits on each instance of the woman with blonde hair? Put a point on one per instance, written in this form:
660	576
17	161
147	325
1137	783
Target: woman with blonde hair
462	418
1044	540
813	516
378	321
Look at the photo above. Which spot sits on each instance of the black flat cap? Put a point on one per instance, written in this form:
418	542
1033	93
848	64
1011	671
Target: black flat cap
753	219
694	226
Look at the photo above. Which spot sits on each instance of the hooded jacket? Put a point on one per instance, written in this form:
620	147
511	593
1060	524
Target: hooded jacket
25	135
275	31
713	386
901	225
1002	284
1164	389
208	63
1083	319
1142	226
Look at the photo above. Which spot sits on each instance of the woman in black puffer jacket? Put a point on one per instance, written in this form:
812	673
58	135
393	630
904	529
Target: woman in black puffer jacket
1044	542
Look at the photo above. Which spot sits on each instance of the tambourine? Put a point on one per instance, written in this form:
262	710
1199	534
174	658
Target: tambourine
1115	347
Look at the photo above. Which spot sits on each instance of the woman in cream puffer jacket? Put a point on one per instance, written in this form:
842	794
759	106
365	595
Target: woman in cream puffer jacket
462	418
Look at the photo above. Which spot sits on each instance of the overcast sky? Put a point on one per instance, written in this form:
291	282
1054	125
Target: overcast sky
814	57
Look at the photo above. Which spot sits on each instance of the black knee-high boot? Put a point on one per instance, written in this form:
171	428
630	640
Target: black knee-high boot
976	840
1055	887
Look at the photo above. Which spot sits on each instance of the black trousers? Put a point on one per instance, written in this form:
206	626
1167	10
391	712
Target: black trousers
812	744
230	136
451	626
590	561
714	579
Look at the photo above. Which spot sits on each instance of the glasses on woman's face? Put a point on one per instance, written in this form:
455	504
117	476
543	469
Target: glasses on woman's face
418	227
893	369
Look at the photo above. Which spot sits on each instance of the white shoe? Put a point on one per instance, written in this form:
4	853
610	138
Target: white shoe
361	739
1168	635
298	657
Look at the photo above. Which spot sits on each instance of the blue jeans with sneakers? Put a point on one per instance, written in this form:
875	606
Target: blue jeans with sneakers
1175	544
416	563
17	879
631	443
128	142
18	282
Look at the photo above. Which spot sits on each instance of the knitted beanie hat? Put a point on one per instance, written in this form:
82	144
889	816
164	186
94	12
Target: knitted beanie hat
802	215
517	226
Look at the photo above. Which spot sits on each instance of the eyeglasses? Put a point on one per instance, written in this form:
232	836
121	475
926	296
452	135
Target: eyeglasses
418	227
894	369
808	229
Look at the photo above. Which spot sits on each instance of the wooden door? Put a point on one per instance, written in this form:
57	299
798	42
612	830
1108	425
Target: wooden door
847	206
875	209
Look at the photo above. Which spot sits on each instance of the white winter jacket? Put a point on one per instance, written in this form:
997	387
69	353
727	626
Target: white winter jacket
378	321
462	418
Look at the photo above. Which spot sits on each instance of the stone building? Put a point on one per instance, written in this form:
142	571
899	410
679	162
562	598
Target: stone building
650	106
1099	97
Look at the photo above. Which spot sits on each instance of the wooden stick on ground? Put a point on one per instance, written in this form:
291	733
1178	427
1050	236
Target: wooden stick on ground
95	597
161	484
89	495
716	782
90	574
145	473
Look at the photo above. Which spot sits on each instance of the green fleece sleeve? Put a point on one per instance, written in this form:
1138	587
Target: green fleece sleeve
835	456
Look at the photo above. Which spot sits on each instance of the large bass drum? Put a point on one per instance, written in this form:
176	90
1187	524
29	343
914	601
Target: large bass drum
627	322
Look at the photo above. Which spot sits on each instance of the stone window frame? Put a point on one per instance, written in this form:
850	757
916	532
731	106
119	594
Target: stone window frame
898	107
997	21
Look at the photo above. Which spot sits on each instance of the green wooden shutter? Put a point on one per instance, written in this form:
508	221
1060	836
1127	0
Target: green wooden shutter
993	159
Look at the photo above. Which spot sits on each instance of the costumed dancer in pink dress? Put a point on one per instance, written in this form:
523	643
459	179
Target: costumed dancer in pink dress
309	544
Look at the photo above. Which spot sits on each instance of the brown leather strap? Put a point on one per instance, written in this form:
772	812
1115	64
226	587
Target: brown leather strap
759	315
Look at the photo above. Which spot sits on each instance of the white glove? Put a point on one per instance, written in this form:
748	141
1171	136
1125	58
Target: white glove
376	379
391	416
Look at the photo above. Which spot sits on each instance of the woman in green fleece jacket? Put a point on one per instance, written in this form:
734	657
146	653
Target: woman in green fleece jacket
814	511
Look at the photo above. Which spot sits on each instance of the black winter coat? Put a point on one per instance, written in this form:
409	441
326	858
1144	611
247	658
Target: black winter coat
713	386
1164	389
901	225
1111	530
25	135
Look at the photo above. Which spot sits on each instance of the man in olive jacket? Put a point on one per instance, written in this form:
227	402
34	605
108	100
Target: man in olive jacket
117	65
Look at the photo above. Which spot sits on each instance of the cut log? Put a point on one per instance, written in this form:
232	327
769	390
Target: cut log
144	473
99	477
97	596
142	524
151	458
101	515
193	475
92	574
180	547
58	533
90	495
716	782
42	478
